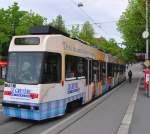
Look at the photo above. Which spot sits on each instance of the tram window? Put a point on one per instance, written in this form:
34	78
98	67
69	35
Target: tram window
116	68
90	71
80	67
124	68
103	70
113	69
100	71
95	70
52	68
109	69
24	67
75	66
120	68
85	68
27	41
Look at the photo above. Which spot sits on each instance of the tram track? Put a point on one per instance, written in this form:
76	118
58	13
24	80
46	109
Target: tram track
9	125
6	121
23	129
15	126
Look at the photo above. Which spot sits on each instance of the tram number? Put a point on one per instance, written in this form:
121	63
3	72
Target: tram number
10	85
73	87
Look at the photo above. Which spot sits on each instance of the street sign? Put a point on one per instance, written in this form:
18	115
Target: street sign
145	34
147	63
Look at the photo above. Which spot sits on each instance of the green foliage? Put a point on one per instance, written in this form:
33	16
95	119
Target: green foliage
27	21
16	22
132	25
75	31
87	31
59	24
87	34
1	82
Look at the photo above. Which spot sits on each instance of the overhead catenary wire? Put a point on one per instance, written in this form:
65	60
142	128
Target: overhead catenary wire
93	21
101	23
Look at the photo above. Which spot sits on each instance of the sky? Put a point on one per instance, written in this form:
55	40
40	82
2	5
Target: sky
104	12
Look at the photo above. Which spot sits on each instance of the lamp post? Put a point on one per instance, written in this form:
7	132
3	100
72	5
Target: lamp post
146	29
147	46
145	34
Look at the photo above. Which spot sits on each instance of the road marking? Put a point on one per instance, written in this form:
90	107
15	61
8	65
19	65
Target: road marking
78	115
125	124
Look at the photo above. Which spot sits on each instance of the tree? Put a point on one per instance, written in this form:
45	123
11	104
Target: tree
132	24
27	21
14	22
87	31
59	24
75	31
13	17
8	20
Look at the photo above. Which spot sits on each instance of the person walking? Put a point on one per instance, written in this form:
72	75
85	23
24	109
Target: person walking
130	76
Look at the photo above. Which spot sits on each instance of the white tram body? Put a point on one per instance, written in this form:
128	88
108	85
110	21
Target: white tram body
46	73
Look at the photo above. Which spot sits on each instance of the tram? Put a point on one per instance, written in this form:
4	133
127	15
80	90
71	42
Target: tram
48	73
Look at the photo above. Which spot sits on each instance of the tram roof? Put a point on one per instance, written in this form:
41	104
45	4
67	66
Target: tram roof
60	44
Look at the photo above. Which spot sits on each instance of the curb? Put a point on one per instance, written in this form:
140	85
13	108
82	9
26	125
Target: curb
125	124
76	116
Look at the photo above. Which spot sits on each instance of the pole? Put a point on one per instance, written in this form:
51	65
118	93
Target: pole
146	28
148	91
147	45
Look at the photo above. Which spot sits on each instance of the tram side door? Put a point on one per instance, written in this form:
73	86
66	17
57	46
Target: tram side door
95	76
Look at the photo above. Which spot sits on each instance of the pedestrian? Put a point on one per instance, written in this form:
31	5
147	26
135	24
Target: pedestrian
130	76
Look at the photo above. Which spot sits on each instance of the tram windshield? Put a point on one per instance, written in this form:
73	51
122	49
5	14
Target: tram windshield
24	67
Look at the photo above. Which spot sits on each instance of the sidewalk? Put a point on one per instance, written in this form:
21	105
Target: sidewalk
141	117
107	116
